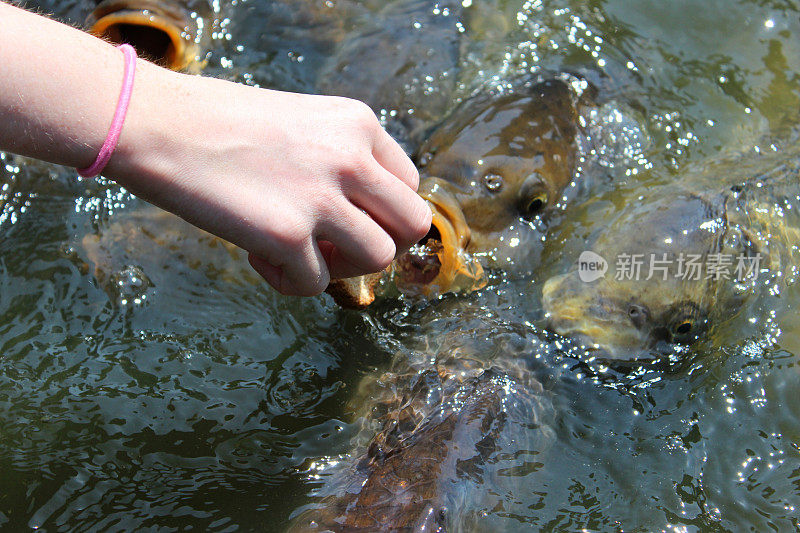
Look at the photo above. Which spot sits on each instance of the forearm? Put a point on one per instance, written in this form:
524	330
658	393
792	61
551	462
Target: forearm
311	184
58	88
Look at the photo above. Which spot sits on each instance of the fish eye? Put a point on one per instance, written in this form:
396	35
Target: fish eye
684	327
493	182
533	196
536	204
688	323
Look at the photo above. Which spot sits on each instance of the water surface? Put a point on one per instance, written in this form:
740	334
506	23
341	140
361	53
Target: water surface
181	393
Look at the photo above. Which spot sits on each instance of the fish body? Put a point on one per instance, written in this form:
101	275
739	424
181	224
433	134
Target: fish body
433	426
141	250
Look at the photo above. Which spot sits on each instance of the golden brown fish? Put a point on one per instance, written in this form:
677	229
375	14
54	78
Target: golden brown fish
494	172
171	33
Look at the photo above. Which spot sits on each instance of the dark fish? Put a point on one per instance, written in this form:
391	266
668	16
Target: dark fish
440	423
744	227
404	63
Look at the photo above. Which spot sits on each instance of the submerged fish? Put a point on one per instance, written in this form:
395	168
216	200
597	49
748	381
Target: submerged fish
145	248
492	172
438	424
168	32
679	262
403	61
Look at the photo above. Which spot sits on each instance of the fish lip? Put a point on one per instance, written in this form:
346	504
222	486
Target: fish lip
609	355
571	329
448	267
111	15
566	319
551	285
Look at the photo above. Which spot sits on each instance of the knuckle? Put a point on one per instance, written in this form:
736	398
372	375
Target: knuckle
354	119
357	166
382	255
292	241
364	124
320	284
290	233
315	287
363	116
311	283
285	290
328	203
355	110
413	176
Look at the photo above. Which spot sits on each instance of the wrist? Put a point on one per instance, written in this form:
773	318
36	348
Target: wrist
148	148
177	149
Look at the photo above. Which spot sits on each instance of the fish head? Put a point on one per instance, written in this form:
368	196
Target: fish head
656	292
165	32
490	173
507	160
437	264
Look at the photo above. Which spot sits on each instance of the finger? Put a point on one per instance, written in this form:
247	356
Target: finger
266	270
305	270
338	266
403	214
342	268
354	244
391	157
299	271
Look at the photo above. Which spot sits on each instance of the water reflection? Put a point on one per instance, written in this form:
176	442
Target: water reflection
212	405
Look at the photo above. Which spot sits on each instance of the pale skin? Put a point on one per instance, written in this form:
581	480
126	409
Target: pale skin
311	186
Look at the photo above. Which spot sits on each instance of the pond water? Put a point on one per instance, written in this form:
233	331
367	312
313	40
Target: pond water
156	384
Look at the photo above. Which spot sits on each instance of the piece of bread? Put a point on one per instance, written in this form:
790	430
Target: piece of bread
354	293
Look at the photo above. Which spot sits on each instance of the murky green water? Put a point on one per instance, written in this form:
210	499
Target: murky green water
169	389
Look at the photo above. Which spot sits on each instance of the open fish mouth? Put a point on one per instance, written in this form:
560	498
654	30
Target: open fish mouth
161	32
439	263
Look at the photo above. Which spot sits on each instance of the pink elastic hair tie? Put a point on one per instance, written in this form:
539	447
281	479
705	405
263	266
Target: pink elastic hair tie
119	116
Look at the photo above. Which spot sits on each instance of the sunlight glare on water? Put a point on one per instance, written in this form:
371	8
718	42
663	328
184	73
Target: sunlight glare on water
150	380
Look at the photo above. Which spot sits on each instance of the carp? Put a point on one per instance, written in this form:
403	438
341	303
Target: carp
712	251
493	174
440	416
171	33
146	247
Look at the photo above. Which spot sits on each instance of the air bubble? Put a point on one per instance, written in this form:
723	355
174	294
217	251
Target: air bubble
130	285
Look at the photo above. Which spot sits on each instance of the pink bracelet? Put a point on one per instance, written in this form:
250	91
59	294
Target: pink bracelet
119	116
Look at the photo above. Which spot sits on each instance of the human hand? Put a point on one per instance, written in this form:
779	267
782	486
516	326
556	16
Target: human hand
311	186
